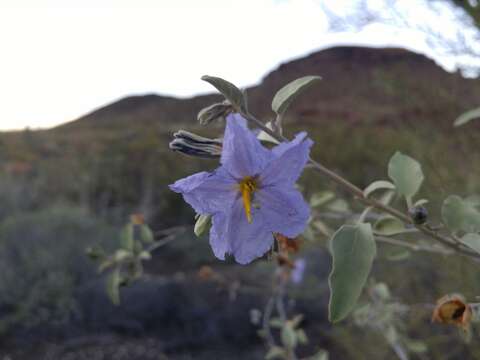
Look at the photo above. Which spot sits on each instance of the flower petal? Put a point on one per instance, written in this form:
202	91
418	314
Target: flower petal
285	210
242	153
207	192
218	238
247	241
287	167
286	145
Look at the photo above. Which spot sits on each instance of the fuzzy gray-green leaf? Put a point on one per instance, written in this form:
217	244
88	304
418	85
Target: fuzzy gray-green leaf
353	249
275	352
388	225
146	234
227	89
289	336
467	117
126	237
113	286
284	97
459	214
321	198
378	185
406	174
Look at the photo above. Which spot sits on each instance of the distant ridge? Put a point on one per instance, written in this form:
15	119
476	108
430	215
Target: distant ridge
359	84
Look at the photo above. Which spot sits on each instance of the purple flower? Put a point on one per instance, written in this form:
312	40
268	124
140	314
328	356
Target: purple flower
252	194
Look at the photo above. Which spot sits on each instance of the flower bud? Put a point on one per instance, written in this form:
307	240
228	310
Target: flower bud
202	225
214	112
418	214
195	145
380	291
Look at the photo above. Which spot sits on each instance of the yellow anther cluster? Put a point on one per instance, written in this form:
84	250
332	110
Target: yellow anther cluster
247	187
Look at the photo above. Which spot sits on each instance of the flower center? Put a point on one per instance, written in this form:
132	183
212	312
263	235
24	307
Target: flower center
248	185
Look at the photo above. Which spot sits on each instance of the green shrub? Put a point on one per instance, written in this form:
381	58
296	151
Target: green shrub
43	261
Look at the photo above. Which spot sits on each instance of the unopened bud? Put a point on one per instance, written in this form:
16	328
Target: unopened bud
202	225
380	291
195	145
214	112
418	214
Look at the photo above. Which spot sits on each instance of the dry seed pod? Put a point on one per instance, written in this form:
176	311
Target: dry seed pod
453	310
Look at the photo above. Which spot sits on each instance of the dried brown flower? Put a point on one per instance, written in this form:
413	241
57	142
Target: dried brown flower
452	309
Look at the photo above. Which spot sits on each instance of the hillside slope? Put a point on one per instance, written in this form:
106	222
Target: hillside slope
359	84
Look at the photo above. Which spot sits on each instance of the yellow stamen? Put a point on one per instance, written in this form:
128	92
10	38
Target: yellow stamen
247	186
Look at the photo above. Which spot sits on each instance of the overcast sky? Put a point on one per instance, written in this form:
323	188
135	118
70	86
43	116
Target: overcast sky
61	59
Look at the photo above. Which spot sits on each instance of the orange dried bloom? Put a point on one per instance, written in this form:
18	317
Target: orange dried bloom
205	273
283	260
453	310
287	244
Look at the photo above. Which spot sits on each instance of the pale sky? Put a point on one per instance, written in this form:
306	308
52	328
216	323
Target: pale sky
61	59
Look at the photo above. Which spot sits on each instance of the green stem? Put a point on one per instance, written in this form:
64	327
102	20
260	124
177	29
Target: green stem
410	246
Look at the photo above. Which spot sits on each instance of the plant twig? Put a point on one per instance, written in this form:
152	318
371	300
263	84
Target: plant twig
169	235
267	315
411	246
